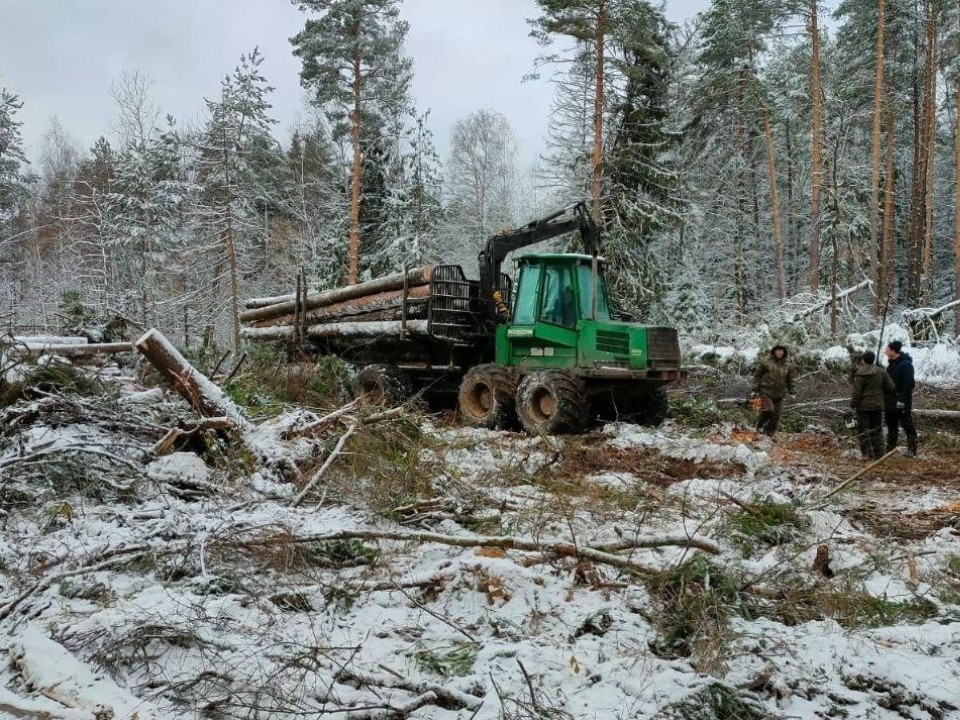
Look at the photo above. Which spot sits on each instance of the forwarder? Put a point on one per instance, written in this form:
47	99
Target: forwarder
548	355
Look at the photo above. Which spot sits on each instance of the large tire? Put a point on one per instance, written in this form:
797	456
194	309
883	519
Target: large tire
487	397
552	402
382	385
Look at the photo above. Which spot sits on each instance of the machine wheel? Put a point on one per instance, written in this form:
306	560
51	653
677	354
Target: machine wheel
487	397
652	408
382	385
552	402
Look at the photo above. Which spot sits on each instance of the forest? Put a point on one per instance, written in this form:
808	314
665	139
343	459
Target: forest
765	155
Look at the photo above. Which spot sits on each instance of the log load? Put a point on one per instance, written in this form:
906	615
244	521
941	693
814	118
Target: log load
371	329
384	303
289	306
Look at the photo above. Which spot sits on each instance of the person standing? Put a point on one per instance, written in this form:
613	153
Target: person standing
773	380
871	386
899	405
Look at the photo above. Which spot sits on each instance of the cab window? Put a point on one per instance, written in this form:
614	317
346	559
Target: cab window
585	273
559	305
525	302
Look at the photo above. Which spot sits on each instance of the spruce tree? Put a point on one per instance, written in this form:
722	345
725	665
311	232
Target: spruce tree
13	189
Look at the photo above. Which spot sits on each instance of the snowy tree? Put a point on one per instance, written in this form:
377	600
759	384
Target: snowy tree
236	133
481	185
353	63
13	189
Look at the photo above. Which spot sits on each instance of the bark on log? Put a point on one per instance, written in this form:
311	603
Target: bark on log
50	340
416	276
370	303
937	414
76	350
205	397
357	329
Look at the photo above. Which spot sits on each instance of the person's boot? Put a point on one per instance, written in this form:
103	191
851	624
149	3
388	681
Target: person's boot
911	447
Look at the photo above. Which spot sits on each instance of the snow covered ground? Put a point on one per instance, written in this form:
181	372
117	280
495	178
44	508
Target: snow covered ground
444	572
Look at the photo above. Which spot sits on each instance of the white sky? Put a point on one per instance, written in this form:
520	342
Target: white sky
61	56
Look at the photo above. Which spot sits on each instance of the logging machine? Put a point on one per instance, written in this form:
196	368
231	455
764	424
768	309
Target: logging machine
544	351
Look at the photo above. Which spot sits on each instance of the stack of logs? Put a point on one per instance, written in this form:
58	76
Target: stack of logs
390	305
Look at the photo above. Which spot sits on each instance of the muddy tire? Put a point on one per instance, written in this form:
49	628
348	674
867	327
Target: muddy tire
382	385
552	402
487	397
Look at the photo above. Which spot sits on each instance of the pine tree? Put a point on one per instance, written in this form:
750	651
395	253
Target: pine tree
354	65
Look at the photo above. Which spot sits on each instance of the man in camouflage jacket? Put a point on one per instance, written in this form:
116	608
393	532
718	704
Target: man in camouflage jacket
773	380
871	387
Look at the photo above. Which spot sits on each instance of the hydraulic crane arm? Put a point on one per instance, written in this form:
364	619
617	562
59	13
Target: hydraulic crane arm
575	217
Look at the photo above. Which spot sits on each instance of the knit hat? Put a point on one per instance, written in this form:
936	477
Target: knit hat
895	345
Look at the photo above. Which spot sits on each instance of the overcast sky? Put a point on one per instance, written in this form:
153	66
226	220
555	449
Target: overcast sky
61	56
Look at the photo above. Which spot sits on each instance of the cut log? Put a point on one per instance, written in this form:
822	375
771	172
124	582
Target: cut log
384	328
414	277
76	350
937	414
50	339
204	396
370	303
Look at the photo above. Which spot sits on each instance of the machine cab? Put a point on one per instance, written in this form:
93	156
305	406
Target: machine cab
558	290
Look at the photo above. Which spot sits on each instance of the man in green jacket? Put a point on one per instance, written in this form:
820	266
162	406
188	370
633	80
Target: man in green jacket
773	380
871	387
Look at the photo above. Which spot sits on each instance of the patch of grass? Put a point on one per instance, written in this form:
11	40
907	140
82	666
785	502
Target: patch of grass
95	592
716	701
695	412
269	381
693	603
57	377
850	606
384	466
454	660
769	522
342	554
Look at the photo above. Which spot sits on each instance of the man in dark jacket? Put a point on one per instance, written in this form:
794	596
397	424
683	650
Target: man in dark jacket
773	380
871	386
899	405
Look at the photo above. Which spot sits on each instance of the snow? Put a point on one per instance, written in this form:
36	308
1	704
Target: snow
158	605
937	364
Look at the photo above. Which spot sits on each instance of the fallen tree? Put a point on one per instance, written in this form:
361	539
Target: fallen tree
204	396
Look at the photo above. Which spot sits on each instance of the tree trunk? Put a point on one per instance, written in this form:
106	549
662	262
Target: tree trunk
774	202
956	220
917	196
356	173
889	210
791	238
229	241
205	397
599	80
816	136
930	119
874	248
